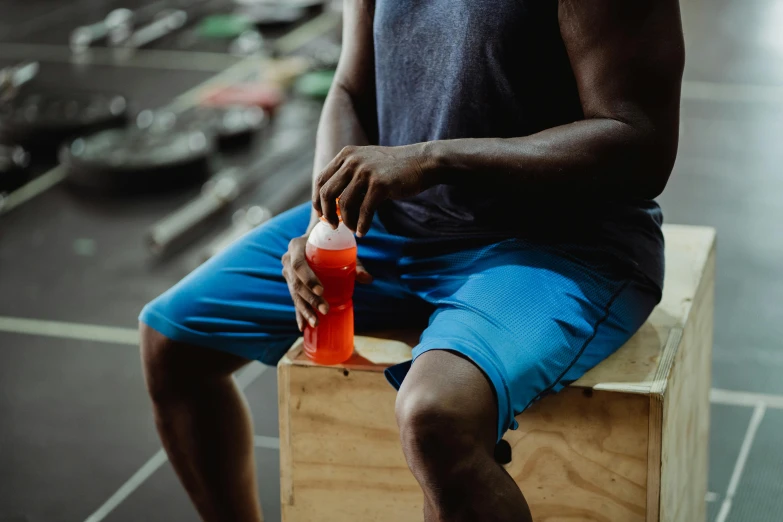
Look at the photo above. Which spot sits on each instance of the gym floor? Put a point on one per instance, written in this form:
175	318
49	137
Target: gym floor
77	442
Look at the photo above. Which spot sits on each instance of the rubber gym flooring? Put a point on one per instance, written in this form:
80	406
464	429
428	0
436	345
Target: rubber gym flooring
77	441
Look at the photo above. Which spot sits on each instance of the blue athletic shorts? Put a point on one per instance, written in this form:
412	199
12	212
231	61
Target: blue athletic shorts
533	318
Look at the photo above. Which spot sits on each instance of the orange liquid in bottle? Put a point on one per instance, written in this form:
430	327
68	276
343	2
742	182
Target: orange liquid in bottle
331	341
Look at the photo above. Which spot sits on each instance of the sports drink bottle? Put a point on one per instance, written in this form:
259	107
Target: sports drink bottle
332	256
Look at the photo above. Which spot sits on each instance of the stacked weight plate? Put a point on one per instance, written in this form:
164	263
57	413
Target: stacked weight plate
41	122
162	151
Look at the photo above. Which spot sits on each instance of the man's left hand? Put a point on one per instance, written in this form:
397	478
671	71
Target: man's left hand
363	177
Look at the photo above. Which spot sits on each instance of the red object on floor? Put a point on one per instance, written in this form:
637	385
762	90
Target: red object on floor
268	97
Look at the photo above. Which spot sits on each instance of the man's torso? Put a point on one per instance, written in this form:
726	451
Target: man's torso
447	69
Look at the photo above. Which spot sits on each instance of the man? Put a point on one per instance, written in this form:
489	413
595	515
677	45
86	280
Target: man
498	162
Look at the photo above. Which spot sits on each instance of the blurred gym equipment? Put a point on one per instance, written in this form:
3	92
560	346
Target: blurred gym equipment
114	28
279	193
233	126
14	77
41	122
14	161
132	160
165	23
220	192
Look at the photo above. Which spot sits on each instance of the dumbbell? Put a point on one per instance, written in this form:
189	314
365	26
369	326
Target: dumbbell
115	27
41	121
165	23
12	78
242	222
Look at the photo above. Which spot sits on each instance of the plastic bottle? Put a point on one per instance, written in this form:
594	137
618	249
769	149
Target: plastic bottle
332	256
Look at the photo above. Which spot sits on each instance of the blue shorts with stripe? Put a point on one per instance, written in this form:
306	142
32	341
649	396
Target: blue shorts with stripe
533	318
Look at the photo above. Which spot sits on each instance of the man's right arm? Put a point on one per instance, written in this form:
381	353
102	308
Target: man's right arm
349	116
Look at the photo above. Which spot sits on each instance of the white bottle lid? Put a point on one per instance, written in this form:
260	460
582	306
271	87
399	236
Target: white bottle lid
324	237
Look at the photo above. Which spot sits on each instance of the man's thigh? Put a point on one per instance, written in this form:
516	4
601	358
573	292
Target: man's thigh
238	302
533	319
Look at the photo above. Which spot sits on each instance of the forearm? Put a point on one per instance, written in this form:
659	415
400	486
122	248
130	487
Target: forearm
601	156
340	126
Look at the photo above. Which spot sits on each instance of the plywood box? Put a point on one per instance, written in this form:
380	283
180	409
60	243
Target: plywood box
627	442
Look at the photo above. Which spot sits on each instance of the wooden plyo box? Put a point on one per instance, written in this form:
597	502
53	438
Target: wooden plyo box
627	442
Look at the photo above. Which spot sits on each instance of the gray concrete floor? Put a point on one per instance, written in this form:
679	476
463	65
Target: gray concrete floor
75	426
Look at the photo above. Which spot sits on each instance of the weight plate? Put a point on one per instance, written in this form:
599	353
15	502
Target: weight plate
224	26
136	160
267	97
14	161
41	122
233	125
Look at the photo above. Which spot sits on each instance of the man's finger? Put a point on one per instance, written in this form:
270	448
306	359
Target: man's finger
351	201
315	302
371	201
362	275
330	192
302	307
322	178
305	310
303	271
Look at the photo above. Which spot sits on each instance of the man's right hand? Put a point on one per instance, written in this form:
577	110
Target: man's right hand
306	290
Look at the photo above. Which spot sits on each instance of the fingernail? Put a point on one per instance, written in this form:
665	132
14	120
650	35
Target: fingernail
318	290
359	234
312	322
323	309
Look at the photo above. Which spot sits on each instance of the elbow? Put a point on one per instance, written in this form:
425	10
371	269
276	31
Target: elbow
653	175
652	187
652	164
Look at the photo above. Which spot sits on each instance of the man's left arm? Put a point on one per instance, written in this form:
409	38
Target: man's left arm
627	58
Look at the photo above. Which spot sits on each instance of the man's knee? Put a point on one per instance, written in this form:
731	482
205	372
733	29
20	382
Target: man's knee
438	433
446	405
172	368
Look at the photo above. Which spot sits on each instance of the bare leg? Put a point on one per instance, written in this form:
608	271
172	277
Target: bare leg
205	425
447	415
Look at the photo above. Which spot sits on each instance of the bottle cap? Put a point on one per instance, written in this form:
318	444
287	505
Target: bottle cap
325	237
339	217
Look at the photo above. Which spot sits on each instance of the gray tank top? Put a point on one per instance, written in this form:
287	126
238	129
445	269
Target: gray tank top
447	69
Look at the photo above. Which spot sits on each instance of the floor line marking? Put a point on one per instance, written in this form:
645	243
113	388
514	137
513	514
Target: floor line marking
258	369
244	379
28	191
249	374
173	60
262	441
724	511
747	399
742	458
132	484
63	330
